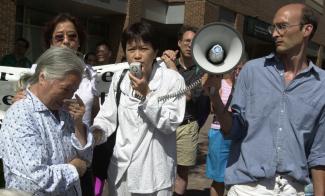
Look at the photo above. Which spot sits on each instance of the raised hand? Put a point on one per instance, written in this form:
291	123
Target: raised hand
169	57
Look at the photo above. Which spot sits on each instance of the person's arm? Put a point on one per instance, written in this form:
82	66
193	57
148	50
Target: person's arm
318	176
222	114
316	158
165	115
169	57
81	138
105	121
77	111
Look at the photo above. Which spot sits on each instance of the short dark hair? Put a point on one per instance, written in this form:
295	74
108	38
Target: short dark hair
63	17
21	39
184	29
309	17
105	43
140	31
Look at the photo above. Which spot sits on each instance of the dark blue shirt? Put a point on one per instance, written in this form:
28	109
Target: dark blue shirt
277	127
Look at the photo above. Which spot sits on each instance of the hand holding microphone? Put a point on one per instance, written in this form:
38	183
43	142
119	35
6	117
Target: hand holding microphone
138	82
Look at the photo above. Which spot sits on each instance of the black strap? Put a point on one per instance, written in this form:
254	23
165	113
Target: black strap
103	153
117	96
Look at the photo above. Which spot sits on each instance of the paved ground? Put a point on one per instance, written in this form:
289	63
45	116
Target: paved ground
198	183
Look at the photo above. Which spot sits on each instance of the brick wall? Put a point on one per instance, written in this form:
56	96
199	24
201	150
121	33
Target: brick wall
7	25
194	13
133	14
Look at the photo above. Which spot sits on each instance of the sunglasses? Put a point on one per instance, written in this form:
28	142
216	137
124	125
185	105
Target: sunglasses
60	37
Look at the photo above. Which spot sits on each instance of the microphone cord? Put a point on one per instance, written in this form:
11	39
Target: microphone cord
180	92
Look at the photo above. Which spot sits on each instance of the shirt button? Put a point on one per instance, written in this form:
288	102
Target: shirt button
279	148
282	111
280	129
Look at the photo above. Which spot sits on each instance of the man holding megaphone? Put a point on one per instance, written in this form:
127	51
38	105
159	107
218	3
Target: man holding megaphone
197	106
278	119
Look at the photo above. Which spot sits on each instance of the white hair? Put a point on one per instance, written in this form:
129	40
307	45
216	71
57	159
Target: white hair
55	63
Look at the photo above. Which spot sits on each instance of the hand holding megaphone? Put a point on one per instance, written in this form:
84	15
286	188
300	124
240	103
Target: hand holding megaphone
211	84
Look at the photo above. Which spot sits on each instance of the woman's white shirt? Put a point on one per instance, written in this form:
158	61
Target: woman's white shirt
145	142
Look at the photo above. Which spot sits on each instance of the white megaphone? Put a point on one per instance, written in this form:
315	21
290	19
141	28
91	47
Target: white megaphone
217	48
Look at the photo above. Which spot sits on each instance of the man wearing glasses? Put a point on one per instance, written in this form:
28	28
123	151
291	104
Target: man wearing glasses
277	125
197	107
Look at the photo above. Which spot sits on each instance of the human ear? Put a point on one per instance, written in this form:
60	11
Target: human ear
308	29
41	78
179	43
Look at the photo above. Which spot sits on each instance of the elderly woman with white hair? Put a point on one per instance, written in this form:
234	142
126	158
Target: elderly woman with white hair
45	145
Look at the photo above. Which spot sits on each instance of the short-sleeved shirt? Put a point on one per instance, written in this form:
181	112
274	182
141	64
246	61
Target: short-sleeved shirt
277	127
10	60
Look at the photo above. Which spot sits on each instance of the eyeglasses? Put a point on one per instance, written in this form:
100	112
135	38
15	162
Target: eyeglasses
187	41
281	28
60	37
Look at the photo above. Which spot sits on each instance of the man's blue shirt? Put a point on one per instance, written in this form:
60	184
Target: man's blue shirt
277	127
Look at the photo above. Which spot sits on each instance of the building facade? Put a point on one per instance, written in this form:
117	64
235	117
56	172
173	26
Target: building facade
105	20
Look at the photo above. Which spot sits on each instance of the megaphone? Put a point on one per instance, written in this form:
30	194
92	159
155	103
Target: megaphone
217	48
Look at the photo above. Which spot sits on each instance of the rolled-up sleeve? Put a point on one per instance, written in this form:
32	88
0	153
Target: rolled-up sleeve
85	152
317	151
238	107
106	118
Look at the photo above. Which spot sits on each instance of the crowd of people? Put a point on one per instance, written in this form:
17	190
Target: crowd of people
266	138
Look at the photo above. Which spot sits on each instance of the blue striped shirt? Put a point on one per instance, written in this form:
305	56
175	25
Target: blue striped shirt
277	127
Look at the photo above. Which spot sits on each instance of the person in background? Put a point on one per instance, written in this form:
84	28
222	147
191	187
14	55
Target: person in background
100	160
103	53
144	156
66	31
197	106
277	119
17	58
90	58
45	146
218	149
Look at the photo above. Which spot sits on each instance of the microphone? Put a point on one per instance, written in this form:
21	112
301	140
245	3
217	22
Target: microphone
216	54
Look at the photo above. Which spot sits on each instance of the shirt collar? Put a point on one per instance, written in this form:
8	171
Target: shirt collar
179	66
38	106
273	60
